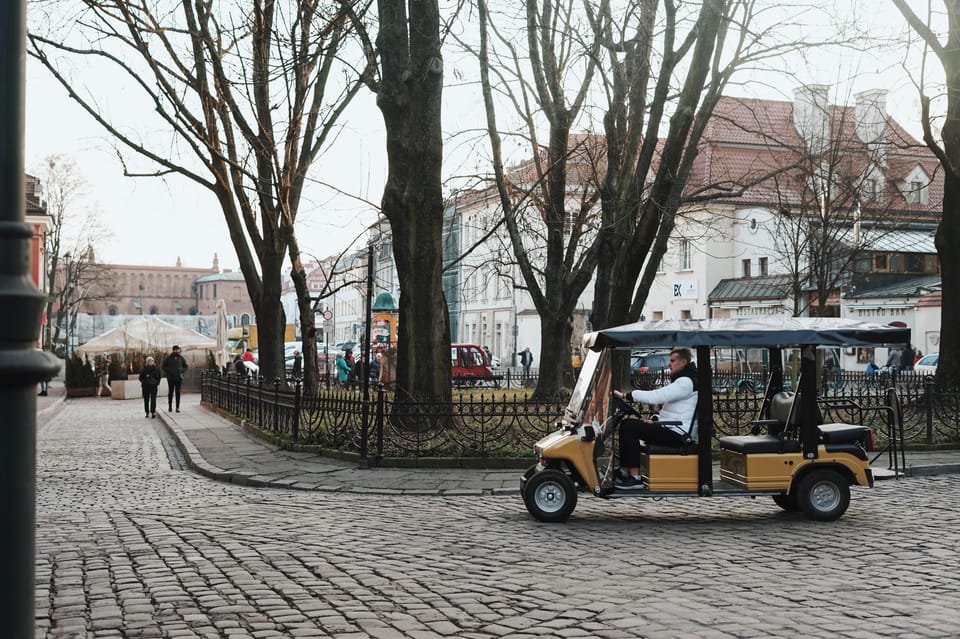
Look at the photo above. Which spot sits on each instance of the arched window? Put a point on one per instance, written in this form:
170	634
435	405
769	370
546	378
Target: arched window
113	309
245	319
154	310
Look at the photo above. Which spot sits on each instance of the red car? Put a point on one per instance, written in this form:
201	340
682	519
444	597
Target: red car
469	365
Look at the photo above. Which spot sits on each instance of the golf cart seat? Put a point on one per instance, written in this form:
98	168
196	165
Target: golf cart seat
686	447
782	418
781	415
846	438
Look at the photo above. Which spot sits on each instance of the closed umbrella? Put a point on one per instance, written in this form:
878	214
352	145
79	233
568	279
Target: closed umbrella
222	354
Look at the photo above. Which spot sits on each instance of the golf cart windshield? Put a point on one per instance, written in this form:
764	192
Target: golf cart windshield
587	387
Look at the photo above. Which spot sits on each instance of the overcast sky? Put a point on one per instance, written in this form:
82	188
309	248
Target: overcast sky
156	221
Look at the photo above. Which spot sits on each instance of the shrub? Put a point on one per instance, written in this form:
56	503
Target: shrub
78	373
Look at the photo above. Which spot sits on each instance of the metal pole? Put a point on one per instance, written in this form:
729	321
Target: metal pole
22	366
365	363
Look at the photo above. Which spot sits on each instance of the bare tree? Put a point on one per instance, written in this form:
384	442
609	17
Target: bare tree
408	86
245	97
633	186
947	151
547	224
73	275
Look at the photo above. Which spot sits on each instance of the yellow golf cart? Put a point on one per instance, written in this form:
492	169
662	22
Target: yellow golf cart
789	455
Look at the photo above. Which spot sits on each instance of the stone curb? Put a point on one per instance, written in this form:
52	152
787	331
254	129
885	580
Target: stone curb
198	464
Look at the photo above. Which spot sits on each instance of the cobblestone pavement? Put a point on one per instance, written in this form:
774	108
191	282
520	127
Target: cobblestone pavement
131	545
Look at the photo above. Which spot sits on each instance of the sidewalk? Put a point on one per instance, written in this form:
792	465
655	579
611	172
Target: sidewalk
216	448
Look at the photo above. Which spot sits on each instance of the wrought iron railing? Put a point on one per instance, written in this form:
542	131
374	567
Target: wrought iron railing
497	424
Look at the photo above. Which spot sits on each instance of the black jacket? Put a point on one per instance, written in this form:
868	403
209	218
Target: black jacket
150	376
174	366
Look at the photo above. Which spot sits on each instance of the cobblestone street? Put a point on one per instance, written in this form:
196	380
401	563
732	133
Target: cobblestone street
130	544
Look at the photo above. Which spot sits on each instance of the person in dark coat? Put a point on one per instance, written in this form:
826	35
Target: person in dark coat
149	383
906	358
297	368
174	366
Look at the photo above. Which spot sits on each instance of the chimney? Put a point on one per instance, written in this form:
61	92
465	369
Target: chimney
871	114
810	116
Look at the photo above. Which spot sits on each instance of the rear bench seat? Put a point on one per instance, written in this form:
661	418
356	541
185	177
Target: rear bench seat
836	438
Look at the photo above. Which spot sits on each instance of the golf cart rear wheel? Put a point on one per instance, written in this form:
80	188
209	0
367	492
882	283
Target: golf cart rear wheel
823	495
550	496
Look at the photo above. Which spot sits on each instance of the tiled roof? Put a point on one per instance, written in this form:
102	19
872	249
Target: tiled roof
748	138
765	287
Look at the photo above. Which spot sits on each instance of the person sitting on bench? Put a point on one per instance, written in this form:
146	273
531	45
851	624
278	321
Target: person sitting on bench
678	404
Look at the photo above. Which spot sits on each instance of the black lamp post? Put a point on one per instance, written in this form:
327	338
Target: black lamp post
67	293
22	366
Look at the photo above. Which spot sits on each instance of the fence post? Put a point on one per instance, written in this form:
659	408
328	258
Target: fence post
295	433
928	407
276	404
380	401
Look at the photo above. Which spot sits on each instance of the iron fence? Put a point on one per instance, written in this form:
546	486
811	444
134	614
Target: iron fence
497	425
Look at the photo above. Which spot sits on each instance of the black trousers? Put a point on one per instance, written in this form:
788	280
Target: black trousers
149	399
173	387
633	431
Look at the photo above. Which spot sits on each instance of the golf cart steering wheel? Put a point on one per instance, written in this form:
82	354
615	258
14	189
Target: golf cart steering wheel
626	406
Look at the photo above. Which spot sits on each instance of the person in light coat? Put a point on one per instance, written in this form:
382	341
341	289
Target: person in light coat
678	403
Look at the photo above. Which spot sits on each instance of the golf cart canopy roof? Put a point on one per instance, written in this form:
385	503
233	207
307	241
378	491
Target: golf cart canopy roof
747	331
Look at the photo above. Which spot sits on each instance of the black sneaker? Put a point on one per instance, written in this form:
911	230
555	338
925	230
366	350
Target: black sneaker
631	483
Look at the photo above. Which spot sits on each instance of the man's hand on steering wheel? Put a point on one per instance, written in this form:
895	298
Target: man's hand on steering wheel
626	403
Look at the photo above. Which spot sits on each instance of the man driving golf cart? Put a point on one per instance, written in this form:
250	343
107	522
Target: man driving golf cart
675	424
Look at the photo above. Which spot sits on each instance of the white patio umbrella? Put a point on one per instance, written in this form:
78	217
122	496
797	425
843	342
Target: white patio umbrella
222	354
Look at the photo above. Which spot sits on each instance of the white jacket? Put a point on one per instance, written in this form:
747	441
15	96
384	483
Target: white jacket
679	404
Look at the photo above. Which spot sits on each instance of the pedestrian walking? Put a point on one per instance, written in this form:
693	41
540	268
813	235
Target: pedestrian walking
103	376
906	358
297	368
526	360
344	369
174	366
149	383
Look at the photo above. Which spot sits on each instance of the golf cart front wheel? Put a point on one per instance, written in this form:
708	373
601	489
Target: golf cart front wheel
823	495
550	496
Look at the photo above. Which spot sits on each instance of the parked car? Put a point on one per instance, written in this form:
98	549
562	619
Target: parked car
927	365
647	370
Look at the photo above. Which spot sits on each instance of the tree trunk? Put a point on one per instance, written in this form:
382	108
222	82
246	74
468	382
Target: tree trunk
409	99
947	240
308	326
556	369
270	318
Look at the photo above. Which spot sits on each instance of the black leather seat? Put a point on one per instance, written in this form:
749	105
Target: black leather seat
747	444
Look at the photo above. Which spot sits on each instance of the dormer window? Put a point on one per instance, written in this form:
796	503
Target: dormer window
916	187
868	190
917	192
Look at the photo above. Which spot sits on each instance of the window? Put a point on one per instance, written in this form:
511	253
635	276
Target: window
880	262
214	291
746	268
914	262
685	315
236	293
917	192
868	190
113	310
684	255
763	266
662	266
